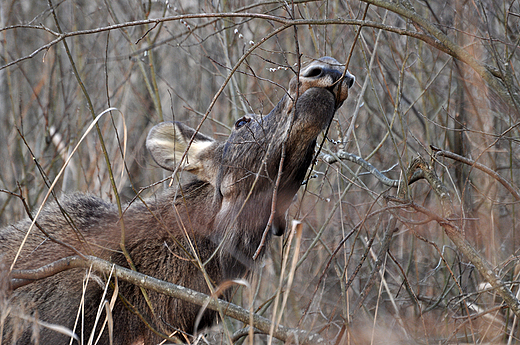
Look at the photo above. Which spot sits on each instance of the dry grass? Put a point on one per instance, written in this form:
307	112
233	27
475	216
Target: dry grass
409	94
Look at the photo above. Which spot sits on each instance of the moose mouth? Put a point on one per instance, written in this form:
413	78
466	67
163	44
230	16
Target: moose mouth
340	89
336	90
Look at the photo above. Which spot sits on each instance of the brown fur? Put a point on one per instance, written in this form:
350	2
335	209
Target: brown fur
229	203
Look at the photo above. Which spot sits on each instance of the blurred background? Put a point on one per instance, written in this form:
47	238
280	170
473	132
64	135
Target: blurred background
429	73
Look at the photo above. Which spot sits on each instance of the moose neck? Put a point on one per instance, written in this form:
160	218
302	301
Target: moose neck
248	186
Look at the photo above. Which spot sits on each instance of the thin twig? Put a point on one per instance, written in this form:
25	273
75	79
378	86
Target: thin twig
481	167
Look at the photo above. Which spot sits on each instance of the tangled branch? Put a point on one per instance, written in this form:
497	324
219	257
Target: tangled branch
455	234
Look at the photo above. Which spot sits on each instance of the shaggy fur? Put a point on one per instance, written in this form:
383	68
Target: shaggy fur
224	210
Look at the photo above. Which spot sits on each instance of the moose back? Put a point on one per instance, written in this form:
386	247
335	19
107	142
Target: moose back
218	220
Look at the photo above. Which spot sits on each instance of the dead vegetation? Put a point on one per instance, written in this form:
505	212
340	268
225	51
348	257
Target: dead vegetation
435	80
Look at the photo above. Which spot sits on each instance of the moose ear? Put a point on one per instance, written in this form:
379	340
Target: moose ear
168	141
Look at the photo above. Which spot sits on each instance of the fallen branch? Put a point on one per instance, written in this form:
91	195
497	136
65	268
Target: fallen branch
24	277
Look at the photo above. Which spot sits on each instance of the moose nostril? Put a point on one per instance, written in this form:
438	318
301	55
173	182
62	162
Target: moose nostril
313	72
350	79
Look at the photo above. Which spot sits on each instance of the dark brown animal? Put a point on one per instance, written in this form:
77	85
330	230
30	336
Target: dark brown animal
224	211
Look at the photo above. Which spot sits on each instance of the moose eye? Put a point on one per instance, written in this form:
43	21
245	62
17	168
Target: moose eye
242	121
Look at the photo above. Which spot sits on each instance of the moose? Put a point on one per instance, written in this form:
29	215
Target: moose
205	231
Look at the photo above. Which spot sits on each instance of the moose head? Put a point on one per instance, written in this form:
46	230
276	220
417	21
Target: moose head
261	155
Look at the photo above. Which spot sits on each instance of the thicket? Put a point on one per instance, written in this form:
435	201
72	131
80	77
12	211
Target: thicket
435	109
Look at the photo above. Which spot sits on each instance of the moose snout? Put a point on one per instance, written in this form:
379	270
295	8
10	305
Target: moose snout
349	79
329	74
341	86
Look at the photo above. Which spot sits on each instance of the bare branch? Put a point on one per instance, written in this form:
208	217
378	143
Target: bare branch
232	310
456	236
441	41
333	158
514	191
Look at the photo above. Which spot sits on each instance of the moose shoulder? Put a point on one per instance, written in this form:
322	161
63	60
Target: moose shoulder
218	220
